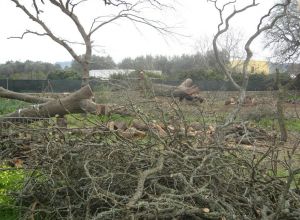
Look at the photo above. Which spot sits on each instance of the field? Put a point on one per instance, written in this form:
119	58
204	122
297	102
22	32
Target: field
181	164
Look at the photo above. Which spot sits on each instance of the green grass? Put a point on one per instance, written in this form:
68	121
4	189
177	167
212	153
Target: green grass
10	181
293	97
291	124
283	173
10	105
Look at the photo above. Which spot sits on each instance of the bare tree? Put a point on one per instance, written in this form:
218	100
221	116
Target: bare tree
223	27
130	10
284	37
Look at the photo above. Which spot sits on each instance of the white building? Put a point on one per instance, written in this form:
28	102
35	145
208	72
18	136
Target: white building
105	74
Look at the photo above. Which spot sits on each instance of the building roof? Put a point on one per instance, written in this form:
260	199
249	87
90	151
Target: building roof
105	74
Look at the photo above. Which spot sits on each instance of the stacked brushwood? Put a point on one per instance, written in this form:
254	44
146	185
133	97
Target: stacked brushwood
99	174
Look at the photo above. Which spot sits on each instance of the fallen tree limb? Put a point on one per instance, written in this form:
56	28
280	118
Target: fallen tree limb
4	93
186	90
77	102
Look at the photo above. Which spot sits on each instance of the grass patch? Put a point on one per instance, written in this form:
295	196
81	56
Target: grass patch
293	97
283	173
10	105
291	124
10	181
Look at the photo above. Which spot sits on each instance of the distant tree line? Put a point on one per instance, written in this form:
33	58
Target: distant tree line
30	70
196	66
26	70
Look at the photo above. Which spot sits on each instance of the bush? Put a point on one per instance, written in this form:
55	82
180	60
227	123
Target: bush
136	74
64	74
196	75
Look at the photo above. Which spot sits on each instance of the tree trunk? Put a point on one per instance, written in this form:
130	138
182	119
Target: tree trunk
280	111
185	90
85	75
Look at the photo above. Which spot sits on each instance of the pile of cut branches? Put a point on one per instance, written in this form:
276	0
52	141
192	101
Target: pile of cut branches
73	174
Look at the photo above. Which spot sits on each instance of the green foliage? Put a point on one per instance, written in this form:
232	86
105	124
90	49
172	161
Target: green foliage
10	105
114	117
136	74
120	76
10	180
97	63
196	66
155	75
64	74
7	213
293	97
293	124
201	74
26	70
28	76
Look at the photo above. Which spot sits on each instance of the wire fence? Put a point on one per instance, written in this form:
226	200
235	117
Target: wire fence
9	124
38	86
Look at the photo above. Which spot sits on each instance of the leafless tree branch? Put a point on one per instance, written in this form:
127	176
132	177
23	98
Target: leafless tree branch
224	26
127	10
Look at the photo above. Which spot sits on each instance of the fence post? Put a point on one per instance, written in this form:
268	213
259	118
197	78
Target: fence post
7	83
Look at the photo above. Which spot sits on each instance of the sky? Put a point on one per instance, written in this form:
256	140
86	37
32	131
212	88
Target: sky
192	21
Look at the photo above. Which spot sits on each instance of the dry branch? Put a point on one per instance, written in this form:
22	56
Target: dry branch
87	177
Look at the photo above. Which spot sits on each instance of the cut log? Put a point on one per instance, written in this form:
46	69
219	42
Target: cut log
186	90
77	102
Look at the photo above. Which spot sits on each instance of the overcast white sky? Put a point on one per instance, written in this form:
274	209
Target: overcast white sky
196	19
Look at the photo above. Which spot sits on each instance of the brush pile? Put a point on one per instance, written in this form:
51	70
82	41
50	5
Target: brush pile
101	174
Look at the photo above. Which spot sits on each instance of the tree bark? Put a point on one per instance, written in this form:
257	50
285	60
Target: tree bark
280	110
185	90
4	93
77	102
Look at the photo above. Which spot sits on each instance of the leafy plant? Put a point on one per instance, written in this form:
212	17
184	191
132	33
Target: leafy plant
10	180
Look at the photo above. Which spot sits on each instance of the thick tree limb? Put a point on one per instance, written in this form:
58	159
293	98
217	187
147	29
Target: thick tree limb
4	93
77	102
185	90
